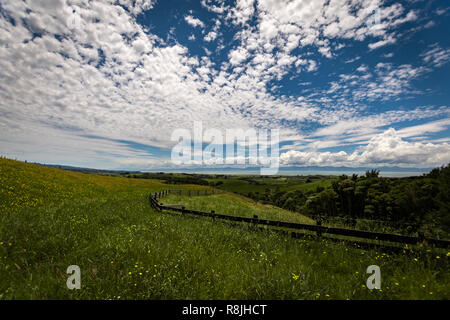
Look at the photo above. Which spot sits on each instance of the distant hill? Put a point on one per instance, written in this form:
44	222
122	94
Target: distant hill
291	170
88	170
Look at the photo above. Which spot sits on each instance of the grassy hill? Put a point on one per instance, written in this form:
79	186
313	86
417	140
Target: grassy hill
50	219
246	184
235	205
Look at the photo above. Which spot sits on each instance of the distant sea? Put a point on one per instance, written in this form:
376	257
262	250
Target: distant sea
384	172
388	174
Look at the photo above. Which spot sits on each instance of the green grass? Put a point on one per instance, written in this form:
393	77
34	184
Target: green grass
244	187
235	205
51	219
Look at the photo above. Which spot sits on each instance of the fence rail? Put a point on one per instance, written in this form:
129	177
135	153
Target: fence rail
319	229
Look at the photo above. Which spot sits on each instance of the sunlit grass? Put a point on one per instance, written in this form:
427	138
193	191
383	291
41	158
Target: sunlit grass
231	204
234	184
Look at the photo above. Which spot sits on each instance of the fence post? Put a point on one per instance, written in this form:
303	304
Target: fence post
319	231
254	222
150	199
421	237
213	215
182	210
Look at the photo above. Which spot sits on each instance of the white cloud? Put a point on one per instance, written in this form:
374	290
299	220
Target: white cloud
286	25
238	56
436	56
382	43
138	6
107	77
429	24
195	22
386	148
389	148
430	127
243	11
442	11
211	36
353	59
385	81
362	68
362	125
216	6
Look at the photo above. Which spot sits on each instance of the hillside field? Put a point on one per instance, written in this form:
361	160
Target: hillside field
50	219
244	185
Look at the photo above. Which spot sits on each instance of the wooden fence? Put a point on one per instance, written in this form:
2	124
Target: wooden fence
318	229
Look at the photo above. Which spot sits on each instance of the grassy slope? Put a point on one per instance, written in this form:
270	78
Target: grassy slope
232	204
51	219
244	187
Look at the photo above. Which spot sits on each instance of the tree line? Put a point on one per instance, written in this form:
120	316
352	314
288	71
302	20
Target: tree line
411	205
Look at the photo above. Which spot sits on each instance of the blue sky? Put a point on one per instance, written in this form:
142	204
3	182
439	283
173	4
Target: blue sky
105	84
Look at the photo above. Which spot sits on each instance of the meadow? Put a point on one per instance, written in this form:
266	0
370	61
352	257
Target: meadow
235	205
50	219
246	184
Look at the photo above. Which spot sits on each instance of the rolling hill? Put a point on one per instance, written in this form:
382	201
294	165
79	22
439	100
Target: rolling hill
50	219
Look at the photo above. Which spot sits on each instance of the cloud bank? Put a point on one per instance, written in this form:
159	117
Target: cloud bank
73	70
